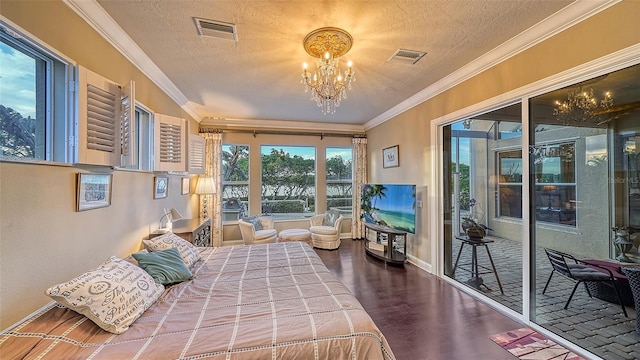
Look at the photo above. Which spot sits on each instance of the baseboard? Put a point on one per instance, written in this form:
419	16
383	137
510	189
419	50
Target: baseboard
42	309
423	265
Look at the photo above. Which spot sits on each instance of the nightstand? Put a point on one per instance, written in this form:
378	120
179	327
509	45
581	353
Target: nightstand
196	231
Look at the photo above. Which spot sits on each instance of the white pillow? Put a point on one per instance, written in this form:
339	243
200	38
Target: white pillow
188	251
113	295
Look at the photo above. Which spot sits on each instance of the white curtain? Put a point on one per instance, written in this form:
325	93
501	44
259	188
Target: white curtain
213	161
359	178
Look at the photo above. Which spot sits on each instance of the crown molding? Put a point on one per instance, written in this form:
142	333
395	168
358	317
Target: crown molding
91	12
98	19
281	125
552	25
618	60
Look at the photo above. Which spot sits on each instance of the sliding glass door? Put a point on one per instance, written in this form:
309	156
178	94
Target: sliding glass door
585	183
577	203
482	177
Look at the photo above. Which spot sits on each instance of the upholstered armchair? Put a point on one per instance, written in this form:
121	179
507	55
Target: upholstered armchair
325	230
257	230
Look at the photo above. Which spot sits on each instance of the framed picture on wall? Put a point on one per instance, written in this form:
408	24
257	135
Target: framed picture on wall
93	191
390	157
160	187
185	185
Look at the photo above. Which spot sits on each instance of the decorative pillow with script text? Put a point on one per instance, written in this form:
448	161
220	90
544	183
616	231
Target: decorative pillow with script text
188	251
113	295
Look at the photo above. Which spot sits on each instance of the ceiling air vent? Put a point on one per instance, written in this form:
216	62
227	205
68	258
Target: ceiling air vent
216	29
405	56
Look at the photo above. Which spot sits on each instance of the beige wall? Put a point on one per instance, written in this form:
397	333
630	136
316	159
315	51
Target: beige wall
43	240
410	131
611	30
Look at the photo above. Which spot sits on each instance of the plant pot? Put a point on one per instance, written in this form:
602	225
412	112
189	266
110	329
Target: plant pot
475	233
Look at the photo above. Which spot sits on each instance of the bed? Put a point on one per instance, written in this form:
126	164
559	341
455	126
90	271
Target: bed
272	301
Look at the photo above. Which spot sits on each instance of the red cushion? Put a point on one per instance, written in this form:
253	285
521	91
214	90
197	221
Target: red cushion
614	267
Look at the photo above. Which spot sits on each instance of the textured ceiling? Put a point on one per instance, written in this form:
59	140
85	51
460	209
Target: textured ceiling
258	77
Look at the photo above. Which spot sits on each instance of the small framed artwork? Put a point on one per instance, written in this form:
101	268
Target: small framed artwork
185	185
160	187
93	191
390	157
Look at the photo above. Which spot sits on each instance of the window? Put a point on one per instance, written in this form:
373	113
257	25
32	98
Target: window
39	100
235	181
33	100
339	168
141	145
555	189
288	181
510	183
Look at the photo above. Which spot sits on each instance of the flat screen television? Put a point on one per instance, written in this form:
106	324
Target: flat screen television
391	205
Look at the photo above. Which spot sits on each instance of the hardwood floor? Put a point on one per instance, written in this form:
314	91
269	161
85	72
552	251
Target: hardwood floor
421	316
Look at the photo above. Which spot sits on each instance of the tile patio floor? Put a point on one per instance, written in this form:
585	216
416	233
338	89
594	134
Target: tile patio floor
593	324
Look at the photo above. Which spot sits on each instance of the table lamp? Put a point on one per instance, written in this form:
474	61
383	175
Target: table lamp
171	215
205	186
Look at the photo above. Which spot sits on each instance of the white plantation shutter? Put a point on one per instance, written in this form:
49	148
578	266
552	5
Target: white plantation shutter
170	143
127	130
101	113
98	119
196	154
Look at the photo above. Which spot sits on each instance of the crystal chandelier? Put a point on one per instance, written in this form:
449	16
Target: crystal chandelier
581	105
328	86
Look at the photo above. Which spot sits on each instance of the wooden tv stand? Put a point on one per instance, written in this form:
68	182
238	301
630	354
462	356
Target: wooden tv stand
385	236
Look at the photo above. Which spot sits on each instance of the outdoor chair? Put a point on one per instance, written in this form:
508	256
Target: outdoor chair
580	272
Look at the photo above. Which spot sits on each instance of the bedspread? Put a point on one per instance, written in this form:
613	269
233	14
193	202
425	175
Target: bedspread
273	301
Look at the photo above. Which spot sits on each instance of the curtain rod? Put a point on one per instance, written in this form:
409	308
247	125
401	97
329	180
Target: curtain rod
273	132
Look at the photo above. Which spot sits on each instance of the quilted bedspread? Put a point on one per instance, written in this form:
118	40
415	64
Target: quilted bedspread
274	301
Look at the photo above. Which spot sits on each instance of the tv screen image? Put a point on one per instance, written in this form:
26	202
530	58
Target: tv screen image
391	205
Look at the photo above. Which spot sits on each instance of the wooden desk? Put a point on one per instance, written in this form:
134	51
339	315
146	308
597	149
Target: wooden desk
385	236
196	231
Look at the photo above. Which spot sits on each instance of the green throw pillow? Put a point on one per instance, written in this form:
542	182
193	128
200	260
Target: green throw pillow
165	266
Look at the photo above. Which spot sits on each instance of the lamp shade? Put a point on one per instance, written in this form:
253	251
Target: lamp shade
205	185
175	215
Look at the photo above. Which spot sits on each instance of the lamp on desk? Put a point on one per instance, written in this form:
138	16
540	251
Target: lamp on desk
205	187
171	216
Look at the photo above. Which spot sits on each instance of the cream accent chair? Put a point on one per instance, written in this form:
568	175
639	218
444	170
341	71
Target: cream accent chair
250	235
323	236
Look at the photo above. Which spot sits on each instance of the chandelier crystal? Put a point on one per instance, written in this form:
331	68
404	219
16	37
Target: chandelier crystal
327	84
582	106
